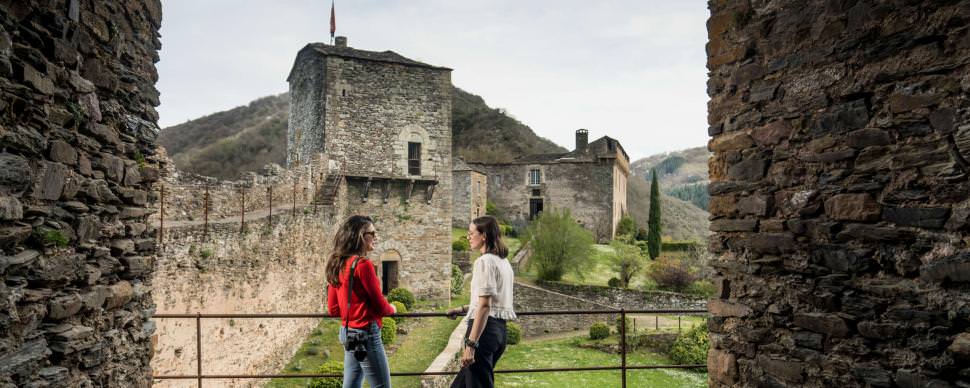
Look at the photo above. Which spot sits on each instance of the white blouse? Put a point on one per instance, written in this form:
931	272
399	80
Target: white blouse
493	275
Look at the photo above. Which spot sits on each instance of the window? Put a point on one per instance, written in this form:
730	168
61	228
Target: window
414	158
535	177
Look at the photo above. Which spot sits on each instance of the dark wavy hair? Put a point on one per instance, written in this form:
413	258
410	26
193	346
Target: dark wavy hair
348	241
488	226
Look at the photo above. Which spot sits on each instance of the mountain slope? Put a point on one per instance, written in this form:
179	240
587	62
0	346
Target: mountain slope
678	219
682	174
229	143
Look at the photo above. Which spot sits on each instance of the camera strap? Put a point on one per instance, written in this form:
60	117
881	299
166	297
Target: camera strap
350	288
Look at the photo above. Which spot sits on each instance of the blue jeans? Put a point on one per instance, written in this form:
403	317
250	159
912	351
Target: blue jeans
374	367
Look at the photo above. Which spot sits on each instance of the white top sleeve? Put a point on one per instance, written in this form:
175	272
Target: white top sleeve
485	277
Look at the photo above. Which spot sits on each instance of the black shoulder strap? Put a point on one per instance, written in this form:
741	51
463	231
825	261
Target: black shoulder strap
350	287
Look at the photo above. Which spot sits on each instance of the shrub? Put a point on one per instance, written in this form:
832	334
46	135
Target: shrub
401	309
702	288
401	295
599	330
205	253
613	282
329	367
671	274
559	245
507	230
312	351
513	334
457	280
642	234
388	331
629	324
691	346
626	228
460	245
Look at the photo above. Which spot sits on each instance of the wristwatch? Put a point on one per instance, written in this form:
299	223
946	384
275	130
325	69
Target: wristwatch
471	344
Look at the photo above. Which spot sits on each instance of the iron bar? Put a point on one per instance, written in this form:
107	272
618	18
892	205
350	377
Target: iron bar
403	374
623	348
415	315
198	346
623	367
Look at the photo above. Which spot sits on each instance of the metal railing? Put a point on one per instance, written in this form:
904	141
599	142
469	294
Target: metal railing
623	367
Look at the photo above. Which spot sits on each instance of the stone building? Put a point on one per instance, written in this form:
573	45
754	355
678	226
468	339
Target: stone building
378	126
590	181
469	192
839	193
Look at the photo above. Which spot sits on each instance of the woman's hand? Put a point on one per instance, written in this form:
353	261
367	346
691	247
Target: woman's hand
467	356
453	313
393	307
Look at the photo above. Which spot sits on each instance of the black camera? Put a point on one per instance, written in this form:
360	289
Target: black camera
355	343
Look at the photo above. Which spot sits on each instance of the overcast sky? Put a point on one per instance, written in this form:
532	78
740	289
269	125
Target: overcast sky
630	69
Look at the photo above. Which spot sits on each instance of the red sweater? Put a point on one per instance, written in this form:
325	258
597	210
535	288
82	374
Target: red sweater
367	304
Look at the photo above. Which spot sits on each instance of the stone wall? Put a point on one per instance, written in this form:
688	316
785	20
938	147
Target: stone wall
531	298
77	128
627	298
418	232
839	193
233	272
586	189
470	195
184	193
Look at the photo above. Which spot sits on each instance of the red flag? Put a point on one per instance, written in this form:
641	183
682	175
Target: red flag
333	21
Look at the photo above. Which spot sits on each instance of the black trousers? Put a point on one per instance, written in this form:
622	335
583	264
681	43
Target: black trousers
491	345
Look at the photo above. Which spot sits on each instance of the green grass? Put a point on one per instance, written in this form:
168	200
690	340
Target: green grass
413	352
425	340
324	341
566	353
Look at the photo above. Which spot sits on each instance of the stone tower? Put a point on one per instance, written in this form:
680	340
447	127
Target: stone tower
379	125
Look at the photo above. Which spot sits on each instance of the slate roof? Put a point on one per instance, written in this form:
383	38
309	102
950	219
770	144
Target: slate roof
376	56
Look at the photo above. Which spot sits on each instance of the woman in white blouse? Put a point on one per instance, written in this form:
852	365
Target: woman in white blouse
489	308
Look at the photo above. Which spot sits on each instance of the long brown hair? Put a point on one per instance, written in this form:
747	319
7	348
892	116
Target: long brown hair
488	226
348	241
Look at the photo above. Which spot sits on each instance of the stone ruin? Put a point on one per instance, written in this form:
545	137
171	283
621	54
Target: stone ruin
839	193
77	134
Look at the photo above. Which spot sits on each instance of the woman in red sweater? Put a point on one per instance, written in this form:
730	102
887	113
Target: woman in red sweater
355	238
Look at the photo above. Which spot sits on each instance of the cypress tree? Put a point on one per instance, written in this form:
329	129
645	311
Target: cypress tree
653	223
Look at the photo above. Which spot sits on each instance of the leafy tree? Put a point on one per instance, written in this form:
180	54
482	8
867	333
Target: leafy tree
559	244
626	228
627	261
653	223
696	194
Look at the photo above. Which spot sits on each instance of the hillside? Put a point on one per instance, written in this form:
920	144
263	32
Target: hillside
682	174
679	219
230	143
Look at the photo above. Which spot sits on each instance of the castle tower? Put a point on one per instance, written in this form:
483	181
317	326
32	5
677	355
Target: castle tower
381	124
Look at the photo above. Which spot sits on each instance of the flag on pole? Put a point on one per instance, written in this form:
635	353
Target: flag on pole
333	21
